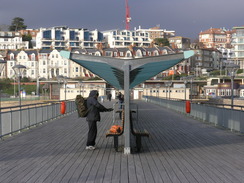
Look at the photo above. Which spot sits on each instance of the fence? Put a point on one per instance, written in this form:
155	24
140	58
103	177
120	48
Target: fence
228	118
14	119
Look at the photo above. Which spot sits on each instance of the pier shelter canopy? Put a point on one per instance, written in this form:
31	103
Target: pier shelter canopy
126	74
112	69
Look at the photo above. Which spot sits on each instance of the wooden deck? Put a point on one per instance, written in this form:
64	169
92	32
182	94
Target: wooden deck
179	149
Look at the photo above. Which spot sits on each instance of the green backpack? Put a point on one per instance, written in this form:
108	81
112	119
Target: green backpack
81	106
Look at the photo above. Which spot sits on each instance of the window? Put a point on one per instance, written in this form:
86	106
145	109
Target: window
11	57
108	53
33	57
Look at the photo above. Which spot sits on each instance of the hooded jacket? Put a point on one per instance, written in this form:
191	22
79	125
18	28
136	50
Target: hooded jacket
94	107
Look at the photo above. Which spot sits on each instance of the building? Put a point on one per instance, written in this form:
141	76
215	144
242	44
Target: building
221	87
137	37
43	63
32	33
27	58
12	40
3	68
156	32
63	37
46	63
215	38
238	44
179	42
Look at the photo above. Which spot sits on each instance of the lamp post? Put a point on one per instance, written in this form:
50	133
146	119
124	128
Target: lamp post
191	80
185	79
19	69
158	86
65	86
232	69
168	84
80	84
63	79
38	85
2	64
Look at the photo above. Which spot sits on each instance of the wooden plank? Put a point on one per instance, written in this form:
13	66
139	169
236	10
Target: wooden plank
179	149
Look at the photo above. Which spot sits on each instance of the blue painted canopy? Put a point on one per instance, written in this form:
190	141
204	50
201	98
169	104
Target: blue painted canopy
112	69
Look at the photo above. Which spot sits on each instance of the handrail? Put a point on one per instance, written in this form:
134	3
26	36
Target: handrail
16	118
230	118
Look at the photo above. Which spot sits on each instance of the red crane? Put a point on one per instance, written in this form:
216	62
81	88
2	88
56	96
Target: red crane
127	16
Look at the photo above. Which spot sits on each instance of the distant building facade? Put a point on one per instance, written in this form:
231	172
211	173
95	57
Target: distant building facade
238	44
12	40
179	42
137	37
63	37
215	38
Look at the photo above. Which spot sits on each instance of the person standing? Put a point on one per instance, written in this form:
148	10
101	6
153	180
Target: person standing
93	116
109	97
121	101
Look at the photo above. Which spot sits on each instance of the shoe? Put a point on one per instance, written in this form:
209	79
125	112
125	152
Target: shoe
90	147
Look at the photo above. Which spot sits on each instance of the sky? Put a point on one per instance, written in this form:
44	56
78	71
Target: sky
186	17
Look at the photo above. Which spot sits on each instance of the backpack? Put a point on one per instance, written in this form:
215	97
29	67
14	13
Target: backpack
81	106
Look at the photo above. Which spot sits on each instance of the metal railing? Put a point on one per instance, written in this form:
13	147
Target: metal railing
225	117
17	118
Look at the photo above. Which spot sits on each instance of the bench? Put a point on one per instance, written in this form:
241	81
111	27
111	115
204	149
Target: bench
137	133
116	134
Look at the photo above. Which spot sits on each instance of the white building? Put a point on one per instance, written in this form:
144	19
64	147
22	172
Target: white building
44	64
137	37
66	38
238	43
12	40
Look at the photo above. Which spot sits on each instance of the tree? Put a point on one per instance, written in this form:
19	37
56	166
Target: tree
161	41
17	24
28	38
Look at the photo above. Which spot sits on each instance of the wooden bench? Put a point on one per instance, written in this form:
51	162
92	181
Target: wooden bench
137	133
116	134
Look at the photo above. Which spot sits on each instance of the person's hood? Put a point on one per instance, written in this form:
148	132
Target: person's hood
93	93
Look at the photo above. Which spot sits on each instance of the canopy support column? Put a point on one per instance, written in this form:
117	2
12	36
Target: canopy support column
127	68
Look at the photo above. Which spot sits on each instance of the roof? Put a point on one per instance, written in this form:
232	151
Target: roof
214	31
112	69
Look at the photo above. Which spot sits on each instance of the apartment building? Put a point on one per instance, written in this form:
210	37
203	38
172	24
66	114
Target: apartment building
137	37
205	60
41	64
12	40
63	37
156	32
215	38
179	42
2	64
49	64
238	44
32	32
27	58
